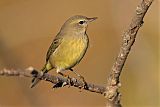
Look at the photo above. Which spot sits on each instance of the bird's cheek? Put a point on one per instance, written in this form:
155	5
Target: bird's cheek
86	26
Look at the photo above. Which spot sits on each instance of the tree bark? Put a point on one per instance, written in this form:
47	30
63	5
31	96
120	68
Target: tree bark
112	94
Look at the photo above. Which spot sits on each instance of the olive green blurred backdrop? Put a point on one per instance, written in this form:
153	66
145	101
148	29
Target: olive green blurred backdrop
27	28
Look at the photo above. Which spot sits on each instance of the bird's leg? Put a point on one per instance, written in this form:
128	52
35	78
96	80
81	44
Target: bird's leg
81	77
66	76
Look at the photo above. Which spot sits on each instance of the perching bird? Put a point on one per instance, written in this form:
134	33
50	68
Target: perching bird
68	47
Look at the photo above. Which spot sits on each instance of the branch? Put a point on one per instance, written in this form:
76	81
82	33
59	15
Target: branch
112	93
58	81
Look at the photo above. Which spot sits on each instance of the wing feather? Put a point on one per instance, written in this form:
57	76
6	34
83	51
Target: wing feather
55	43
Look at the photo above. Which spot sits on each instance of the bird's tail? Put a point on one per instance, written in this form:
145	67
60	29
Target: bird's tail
36	80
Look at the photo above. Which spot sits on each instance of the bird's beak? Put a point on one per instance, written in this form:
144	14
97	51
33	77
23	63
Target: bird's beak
92	19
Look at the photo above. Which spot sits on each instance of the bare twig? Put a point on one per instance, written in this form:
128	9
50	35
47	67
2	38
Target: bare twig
112	93
58	81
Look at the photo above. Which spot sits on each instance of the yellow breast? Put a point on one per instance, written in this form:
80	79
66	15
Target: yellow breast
69	52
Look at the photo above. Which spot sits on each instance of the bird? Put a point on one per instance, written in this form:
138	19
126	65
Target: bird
68	47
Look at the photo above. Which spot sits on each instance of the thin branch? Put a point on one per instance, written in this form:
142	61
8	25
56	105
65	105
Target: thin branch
58	81
112	93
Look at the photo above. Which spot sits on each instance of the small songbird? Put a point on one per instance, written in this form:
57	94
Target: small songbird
68	47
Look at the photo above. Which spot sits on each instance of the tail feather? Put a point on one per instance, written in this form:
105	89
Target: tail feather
36	80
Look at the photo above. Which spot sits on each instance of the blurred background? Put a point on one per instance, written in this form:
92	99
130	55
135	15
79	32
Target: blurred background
27	28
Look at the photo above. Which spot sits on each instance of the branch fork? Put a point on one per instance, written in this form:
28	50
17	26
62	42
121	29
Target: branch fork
111	91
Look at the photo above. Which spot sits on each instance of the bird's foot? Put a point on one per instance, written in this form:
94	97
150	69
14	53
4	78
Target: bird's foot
85	86
68	79
84	82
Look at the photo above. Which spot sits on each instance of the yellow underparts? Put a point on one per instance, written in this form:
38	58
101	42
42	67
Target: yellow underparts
68	53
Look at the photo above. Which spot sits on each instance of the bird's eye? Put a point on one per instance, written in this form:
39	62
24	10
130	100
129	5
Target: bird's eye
81	22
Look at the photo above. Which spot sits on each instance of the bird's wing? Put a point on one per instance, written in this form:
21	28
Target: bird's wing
56	42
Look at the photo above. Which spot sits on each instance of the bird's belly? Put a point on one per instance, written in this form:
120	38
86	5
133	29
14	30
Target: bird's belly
69	53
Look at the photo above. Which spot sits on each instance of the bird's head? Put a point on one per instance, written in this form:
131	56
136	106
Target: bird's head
77	23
